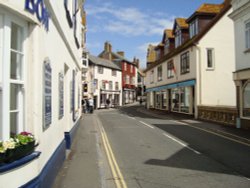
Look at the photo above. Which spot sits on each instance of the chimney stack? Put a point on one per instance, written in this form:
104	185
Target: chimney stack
107	47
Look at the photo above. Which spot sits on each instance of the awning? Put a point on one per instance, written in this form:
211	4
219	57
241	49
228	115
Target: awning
175	85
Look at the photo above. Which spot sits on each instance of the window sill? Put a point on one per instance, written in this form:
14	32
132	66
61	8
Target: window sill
209	69
247	51
10	166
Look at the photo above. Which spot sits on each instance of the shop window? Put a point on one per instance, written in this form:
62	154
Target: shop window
246	100
175	100
164	100
181	99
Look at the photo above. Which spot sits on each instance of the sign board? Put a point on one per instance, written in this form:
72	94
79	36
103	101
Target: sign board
47	94
61	96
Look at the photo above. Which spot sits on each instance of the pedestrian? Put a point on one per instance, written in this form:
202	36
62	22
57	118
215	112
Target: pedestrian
107	103
83	106
91	105
87	106
140	101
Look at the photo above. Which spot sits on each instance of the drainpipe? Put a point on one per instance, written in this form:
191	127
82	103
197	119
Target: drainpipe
198	81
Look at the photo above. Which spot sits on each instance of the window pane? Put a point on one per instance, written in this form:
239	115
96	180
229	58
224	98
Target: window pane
209	58
246	101
16	66
14	91
16	37
13	123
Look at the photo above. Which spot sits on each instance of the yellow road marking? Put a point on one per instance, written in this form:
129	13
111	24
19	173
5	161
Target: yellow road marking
118	177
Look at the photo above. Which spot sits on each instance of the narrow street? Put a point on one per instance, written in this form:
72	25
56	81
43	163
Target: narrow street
148	152
164	153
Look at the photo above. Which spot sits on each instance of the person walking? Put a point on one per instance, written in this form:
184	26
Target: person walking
91	105
107	103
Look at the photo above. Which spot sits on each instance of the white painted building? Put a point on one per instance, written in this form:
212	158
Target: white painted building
40	83
195	77
105	79
241	76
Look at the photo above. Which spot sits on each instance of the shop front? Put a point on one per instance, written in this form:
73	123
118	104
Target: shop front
129	95
178	97
112	96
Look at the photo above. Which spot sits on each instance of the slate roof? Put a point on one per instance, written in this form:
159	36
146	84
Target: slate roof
207	9
103	62
182	23
169	33
195	39
210	8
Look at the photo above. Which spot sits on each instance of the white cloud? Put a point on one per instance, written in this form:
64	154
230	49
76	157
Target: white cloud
129	21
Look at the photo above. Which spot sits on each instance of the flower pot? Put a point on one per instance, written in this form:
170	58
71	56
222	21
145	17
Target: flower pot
2	157
19	152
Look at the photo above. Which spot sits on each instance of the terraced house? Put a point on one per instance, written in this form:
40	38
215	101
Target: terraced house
241	76
129	72
40	86
192	73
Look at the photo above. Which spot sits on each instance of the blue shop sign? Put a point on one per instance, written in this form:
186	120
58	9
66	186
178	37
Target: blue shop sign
38	7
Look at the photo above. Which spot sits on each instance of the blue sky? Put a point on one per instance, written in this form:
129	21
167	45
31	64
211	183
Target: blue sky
130	25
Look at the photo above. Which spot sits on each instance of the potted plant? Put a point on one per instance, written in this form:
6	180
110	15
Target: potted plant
17	147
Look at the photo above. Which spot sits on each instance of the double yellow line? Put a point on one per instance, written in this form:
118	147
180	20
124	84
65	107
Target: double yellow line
117	175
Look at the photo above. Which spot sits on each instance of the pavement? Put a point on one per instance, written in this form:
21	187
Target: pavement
86	165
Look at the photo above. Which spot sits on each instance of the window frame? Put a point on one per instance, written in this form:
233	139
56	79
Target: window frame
212	67
170	69
125	66
110	85
100	69
178	37
247	35
193	28
185	63
6	22
159	73
151	76
114	72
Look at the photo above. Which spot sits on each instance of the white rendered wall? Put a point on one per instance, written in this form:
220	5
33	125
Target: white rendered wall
64	57
217	86
107	75
240	19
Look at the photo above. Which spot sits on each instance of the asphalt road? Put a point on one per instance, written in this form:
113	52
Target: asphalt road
164	153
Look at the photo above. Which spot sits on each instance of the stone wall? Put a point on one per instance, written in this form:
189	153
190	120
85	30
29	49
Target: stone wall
224	115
